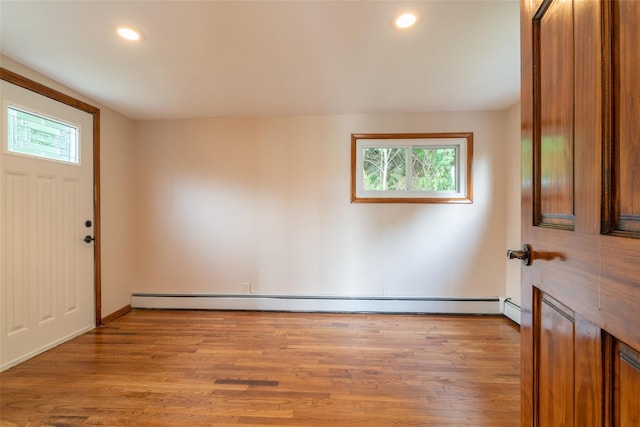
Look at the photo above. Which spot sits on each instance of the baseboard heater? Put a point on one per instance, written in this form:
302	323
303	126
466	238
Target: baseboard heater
488	305
512	310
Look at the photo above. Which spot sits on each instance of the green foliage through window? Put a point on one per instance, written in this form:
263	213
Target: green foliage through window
431	169
412	167
434	169
385	169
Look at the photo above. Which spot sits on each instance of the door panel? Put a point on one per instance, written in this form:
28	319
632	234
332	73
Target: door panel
47	280
554	144
627	387
16	268
588	375
626	94
580	206
555	366
72	277
44	259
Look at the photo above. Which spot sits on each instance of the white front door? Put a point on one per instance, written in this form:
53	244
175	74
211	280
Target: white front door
46	210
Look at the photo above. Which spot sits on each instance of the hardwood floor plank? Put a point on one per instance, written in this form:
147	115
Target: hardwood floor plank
166	368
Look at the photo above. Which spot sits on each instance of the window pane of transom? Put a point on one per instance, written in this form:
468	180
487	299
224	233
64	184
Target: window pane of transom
39	136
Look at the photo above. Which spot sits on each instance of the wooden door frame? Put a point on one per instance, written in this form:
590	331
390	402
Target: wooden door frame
33	86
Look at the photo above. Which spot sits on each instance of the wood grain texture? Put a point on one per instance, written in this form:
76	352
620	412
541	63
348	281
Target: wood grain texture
250	368
555	364
585	50
116	314
626	112
527	11
627	387
554	146
588	117
589	375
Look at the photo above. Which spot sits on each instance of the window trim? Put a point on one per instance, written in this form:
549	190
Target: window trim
466	169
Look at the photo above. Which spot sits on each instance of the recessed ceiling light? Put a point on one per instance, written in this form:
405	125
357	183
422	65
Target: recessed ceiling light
406	20
130	34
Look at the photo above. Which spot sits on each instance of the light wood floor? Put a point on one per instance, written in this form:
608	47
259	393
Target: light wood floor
193	368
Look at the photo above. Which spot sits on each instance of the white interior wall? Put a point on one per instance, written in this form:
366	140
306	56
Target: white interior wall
222	202
118	229
116	145
203	206
513	192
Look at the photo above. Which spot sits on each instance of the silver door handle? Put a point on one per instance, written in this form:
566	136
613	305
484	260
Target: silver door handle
523	254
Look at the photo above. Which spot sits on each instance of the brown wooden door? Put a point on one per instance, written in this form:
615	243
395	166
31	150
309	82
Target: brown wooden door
581	212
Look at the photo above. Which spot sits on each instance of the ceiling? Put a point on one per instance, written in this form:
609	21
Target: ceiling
266	58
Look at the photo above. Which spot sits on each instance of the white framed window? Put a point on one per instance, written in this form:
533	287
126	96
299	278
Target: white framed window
412	168
33	134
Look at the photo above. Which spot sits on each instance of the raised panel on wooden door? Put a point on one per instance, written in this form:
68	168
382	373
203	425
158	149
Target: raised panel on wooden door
626	391
553	135
625	34
554	325
589	373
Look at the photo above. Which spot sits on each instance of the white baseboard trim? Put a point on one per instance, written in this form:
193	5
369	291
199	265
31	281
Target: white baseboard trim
489	305
512	310
49	346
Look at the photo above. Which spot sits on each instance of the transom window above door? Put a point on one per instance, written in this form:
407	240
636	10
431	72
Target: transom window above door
32	134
